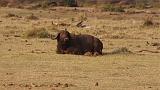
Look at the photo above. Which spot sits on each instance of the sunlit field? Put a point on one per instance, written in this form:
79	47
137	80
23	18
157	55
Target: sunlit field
130	60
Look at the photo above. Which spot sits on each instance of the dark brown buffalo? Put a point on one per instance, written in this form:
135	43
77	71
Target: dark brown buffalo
78	44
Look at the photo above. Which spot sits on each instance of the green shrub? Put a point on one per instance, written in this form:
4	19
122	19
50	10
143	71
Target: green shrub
113	8
71	3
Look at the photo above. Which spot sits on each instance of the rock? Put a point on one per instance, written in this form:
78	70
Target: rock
150	87
155	44
32	51
66	85
9	49
26	40
17	35
138	46
96	84
11	84
29	44
9	73
57	85
158	48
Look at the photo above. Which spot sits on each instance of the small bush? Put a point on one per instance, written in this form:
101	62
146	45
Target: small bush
71	3
38	33
144	4
32	17
113	8
122	50
44	4
12	15
148	22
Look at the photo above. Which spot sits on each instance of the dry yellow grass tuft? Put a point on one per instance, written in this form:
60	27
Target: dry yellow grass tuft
32	17
148	22
38	33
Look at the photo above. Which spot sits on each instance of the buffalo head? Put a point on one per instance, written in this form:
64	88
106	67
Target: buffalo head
63	37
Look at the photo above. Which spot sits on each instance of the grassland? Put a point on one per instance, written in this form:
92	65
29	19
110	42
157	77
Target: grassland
131	59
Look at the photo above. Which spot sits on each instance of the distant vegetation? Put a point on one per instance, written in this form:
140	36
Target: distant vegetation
146	3
74	3
113	8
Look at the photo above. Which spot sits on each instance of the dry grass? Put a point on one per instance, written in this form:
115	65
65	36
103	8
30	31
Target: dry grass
38	33
12	15
32	17
32	63
122	50
148	22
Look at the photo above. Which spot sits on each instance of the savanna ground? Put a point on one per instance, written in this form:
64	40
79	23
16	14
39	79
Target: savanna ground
131	59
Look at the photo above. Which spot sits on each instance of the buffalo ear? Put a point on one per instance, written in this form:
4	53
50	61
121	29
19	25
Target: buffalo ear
57	36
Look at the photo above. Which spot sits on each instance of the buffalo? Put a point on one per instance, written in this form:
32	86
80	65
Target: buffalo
82	44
